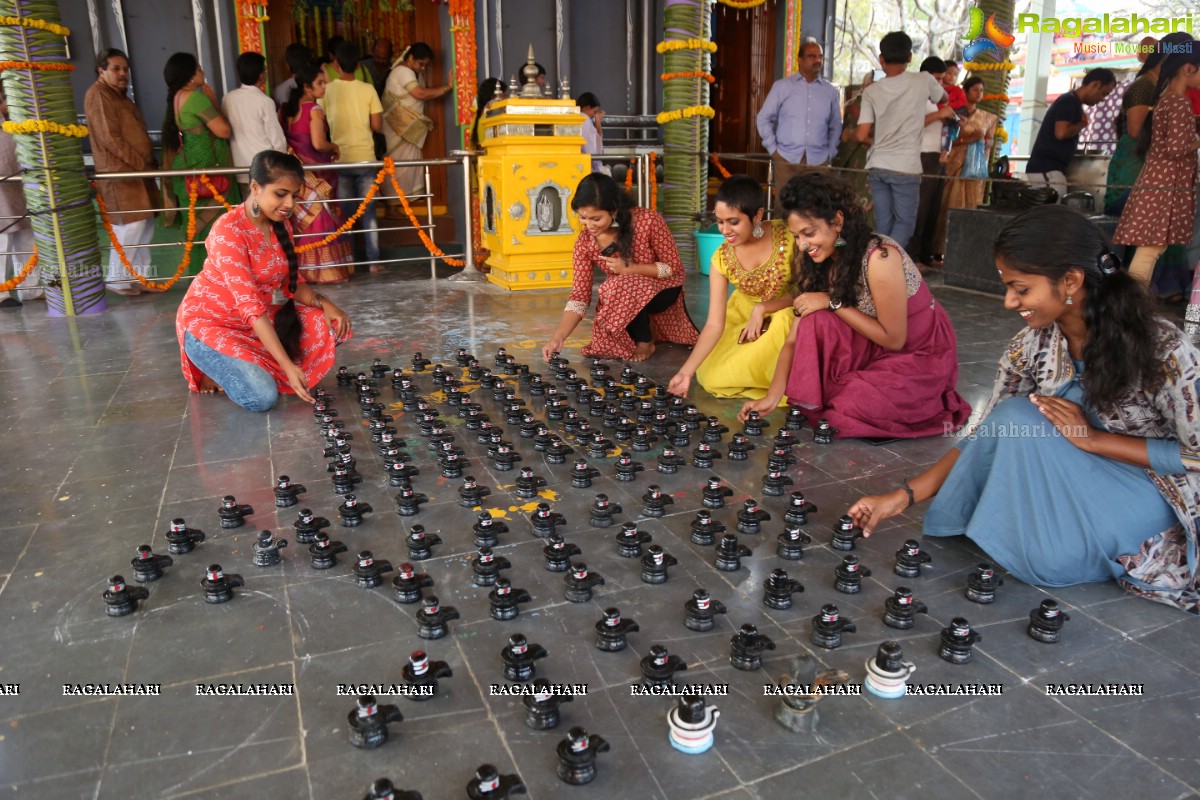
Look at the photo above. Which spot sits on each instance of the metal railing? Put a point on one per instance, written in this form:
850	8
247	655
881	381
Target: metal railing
425	196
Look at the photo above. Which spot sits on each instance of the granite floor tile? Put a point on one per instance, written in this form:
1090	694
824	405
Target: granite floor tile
107	448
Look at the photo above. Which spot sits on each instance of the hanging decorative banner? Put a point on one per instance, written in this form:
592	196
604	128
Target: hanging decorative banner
462	27
251	18
791	37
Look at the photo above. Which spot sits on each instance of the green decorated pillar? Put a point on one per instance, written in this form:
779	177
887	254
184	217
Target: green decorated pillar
989	39
686	50
42	118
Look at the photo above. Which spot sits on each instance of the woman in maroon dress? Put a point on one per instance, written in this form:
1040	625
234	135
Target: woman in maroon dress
641	299
872	352
1162	203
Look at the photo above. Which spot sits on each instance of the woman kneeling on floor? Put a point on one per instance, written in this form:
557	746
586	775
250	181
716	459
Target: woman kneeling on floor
738	349
231	338
1086	465
641	299
872	352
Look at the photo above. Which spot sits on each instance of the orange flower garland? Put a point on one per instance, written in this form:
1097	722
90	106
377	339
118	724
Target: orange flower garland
193	192
629	175
349	223
390	169
48	66
720	167
23	274
653	182
708	76
208	184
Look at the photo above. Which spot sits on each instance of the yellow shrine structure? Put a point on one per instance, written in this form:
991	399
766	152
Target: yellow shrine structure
532	162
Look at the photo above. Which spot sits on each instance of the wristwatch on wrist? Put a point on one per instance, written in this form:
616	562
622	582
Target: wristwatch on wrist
834	305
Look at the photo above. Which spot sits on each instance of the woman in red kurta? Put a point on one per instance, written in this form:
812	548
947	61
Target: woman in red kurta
641	299
231	337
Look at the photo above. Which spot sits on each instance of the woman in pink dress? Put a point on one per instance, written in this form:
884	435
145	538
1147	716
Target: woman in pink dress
316	216
872	352
231	337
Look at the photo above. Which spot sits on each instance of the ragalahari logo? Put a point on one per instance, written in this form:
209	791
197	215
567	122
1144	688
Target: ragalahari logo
985	35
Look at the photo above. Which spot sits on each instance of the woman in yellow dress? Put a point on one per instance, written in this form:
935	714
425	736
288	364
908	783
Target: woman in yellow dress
738	349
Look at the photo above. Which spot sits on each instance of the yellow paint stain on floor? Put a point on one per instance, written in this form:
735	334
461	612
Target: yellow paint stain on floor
549	494
499	513
437	396
534	344
527	508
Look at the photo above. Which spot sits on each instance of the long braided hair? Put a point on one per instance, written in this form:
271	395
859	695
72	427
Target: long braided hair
178	72
268	167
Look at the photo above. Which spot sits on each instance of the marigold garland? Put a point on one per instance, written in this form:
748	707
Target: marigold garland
208	184
653	182
708	76
45	126
387	172
48	66
23	274
742	5
1001	135
629	175
686	44
724	173
390	169
989	66
1001	97
685	113
189	240
40	24
349	223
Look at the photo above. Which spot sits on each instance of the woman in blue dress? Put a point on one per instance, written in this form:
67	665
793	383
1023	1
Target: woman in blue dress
1086	463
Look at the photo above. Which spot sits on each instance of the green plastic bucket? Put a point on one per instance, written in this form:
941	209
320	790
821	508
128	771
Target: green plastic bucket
707	242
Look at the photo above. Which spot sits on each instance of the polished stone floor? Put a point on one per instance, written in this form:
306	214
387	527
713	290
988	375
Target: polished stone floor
103	447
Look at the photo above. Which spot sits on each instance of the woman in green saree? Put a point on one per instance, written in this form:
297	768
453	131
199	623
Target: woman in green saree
198	136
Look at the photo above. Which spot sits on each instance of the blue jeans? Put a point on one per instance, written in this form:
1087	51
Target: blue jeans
356	183
248	385
896	196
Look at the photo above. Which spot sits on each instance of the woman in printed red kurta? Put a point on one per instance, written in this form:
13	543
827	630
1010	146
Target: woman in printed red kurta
641	299
231	337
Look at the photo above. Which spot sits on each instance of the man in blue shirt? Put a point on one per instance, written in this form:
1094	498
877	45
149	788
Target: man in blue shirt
801	120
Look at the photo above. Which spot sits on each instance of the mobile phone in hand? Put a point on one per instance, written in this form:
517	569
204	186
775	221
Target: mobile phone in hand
611	250
766	324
